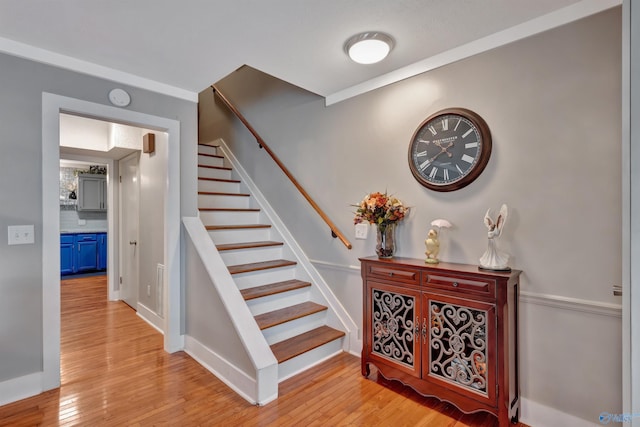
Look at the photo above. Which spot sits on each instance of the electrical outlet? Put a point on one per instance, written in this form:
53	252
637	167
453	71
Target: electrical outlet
362	230
20	234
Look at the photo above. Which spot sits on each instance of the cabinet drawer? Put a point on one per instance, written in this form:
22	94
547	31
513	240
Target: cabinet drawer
458	283
393	273
85	237
66	239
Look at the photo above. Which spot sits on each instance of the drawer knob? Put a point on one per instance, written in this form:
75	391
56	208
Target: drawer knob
455	284
391	274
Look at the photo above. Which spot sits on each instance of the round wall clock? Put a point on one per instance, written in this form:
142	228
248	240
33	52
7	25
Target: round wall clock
450	149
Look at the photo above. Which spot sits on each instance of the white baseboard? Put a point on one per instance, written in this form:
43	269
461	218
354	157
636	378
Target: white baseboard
226	372
535	414
20	388
149	316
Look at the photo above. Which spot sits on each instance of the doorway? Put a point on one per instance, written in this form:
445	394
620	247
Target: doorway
83	216
52	106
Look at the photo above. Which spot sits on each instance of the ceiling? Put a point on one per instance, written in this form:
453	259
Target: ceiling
180	47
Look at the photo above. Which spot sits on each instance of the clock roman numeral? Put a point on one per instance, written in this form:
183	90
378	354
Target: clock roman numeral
457	124
471	145
433	172
445	124
432	130
459	170
467	158
424	165
446	174
464	135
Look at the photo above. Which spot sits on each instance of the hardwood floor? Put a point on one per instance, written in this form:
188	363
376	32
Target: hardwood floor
115	373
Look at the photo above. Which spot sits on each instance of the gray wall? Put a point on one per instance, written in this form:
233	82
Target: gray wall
553	103
22	83
153	179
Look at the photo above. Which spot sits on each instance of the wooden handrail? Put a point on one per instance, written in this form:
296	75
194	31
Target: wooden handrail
334	230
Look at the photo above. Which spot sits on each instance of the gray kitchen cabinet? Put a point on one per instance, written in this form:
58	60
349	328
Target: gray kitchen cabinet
92	192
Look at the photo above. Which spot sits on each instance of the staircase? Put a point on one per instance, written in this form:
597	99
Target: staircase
285	304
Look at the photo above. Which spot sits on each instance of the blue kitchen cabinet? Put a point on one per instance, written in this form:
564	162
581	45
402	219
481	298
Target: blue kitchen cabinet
83	252
102	251
67	254
87	247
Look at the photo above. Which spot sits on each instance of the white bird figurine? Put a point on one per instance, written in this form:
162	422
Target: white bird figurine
494	259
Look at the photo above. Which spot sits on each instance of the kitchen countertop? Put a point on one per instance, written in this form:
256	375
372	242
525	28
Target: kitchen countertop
88	230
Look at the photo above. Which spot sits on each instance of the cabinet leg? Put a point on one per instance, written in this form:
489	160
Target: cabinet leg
365	369
514	419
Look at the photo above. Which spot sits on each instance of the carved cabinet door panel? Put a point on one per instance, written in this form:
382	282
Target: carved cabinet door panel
461	347
392	334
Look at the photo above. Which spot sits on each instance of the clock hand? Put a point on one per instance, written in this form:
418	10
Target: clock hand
442	150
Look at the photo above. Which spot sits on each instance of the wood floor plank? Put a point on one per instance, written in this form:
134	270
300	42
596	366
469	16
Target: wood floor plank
116	373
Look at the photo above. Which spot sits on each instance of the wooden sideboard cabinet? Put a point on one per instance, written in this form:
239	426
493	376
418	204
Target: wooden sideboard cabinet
445	330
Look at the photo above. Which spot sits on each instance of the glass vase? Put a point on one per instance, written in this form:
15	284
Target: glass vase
386	242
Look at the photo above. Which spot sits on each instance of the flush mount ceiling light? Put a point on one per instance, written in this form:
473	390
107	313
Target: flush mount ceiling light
369	47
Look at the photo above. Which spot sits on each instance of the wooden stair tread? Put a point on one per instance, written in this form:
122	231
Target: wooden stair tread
217	193
235	181
208	145
273	289
247	245
287	314
257	266
211	155
295	346
215	167
230	209
234	226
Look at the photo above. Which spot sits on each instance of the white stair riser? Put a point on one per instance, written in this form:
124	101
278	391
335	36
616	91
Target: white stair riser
245	256
303	362
278	301
293	328
214	173
229	217
264	277
208	149
210	161
239	236
216	201
221	186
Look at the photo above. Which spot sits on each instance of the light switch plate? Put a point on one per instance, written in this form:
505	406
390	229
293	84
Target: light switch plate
362	230
20	234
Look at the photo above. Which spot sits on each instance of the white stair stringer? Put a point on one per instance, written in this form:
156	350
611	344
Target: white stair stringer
335	316
242	360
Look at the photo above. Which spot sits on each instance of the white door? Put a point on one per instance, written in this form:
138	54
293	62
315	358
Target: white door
129	250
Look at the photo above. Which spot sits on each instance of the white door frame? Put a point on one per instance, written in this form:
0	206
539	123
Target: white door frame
52	106
631	212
